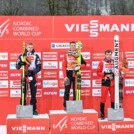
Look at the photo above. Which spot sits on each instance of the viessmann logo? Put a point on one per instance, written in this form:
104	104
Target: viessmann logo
4	28
115	126
93	27
25	128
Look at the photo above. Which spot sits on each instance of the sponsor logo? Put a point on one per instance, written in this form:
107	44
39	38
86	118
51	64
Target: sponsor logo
15	75
63	90
14	56
15	83
96	83
86	55
74	123
4	93
129	92
85	92
86	74
130	64
129	73
61	83
62	124
49	56
25	128
3	83
50	74
15	93
3	65
39	84
96	92
129	55
95	64
39	75
4	28
50	83
3	56
129	82
12	65
49	92
61	74
115	126
3	74
85	83
50	65
62	45
60	64
61	56
94	28
38	93
98	56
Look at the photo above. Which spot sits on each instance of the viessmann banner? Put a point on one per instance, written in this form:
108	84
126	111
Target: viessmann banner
60	27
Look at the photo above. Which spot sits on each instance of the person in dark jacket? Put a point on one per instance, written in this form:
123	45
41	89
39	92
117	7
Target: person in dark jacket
70	67
33	64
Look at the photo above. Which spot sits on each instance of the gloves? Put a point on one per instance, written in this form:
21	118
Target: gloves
77	68
29	73
22	63
67	82
109	75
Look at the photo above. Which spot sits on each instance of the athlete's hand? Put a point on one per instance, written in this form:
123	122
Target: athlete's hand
77	68
65	79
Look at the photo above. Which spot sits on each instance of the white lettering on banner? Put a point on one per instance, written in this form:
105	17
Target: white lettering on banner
85	83
25	28
96	92
61	124
77	123
50	93
115	126
96	83
94	28
3	83
4	28
129	92
50	65
25	128
81	123
130	64
3	74
129	55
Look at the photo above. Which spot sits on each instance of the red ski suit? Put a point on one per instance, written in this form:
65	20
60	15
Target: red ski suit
106	66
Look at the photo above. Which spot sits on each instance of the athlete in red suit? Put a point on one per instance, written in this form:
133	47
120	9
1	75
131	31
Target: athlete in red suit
105	70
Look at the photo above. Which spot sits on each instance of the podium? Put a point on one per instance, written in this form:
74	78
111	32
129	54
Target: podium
70	123
36	125
116	127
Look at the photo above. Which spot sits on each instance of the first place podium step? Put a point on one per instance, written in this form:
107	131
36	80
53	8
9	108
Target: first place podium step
73	123
36	125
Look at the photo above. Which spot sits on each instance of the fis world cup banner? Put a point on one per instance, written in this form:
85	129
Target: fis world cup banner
56	27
